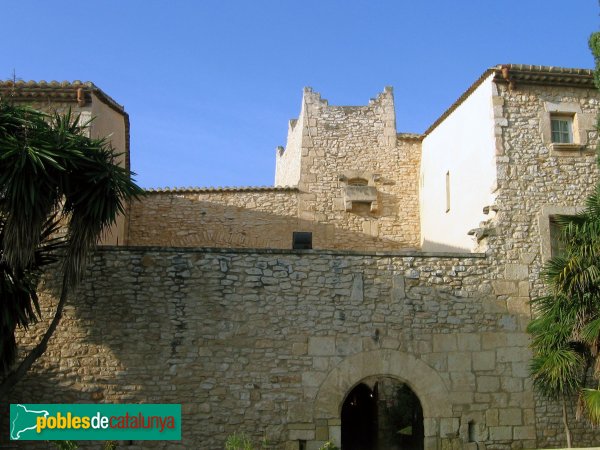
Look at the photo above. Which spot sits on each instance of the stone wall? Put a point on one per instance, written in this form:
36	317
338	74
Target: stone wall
272	341
246	218
342	143
242	218
531	179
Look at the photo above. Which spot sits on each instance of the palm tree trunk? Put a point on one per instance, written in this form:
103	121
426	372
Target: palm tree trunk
15	375
566	423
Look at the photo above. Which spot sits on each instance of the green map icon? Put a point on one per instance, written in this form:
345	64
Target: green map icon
23	419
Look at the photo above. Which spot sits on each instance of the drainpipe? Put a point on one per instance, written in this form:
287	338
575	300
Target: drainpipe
80	97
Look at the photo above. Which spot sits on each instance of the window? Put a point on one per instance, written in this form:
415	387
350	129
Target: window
562	129
448	191
565	128
551	244
557	245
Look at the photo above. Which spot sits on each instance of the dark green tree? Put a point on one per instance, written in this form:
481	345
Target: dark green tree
52	174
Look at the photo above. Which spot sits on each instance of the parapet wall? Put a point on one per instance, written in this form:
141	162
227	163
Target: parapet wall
240	218
237	218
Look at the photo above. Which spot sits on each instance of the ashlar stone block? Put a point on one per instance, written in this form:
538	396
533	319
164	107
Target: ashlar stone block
444	343
470	341
512	354
504	287
511	416
525	432
516	272
321	346
492	417
459	362
484	360
305	435
488	384
299	412
449	426
500	433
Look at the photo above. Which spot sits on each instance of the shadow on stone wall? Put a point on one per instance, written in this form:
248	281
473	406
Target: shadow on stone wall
185	222
432	246
239	337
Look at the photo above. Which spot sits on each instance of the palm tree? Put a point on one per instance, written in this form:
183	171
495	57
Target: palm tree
566	330
49	169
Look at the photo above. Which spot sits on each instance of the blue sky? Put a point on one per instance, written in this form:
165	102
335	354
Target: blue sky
210	85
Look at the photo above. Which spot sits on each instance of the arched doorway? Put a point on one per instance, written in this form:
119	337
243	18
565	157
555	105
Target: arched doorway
382	413
359	419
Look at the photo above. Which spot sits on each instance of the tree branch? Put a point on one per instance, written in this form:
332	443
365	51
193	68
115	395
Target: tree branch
19	372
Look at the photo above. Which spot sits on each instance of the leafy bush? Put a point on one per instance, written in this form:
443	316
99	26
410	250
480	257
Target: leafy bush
238	442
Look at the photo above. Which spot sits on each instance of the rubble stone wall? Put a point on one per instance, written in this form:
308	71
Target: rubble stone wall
270	342
532	178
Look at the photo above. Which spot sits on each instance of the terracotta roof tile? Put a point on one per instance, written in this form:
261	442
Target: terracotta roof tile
55	90
193	190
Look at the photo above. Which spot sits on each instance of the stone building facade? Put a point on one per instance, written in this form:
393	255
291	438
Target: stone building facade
426	250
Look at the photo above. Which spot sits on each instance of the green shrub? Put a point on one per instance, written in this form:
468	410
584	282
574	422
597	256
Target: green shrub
238	442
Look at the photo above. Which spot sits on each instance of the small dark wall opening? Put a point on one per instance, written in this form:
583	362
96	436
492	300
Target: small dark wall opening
301	240
359	419
387	416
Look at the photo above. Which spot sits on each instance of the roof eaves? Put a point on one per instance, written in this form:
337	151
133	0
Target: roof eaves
516	74
410	136
201	190
65	91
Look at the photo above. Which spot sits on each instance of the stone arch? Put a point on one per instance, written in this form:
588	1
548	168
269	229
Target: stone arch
424	381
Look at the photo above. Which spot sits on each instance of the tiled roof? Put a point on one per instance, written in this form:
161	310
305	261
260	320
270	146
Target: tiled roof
556	76
410	136
200	190
61	91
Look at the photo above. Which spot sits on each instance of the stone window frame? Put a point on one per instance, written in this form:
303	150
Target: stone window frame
544	218
581	123
349	180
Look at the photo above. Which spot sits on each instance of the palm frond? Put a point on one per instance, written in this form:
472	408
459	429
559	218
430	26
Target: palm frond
591	404
50	166
590	332
557	372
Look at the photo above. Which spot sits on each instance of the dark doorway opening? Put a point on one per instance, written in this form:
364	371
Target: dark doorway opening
359	419
382	413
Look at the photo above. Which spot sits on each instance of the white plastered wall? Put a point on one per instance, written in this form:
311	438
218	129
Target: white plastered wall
462	145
